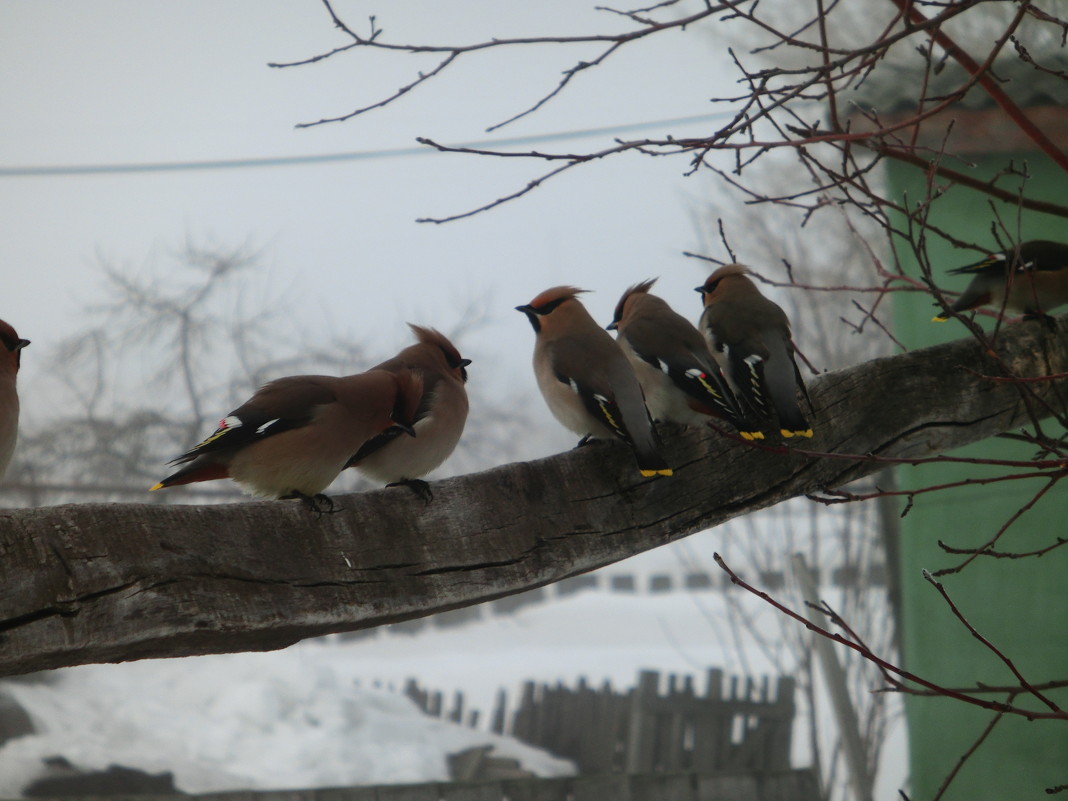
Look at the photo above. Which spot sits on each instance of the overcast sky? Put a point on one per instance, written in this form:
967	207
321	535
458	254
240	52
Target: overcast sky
129	82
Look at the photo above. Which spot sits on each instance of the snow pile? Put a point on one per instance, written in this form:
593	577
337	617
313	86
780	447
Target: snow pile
242	721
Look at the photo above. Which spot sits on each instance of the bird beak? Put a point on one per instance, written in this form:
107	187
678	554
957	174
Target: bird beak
525	309
611	326
699	288
464	363
21	344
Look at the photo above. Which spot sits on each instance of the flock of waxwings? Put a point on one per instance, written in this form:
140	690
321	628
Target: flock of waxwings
402	418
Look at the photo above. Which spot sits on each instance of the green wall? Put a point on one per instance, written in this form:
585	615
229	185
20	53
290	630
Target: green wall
1020	605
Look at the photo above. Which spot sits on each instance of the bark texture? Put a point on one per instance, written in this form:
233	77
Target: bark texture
114	582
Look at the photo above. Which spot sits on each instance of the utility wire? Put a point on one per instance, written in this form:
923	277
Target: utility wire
359	155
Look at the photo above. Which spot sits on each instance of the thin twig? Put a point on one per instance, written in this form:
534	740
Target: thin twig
997	651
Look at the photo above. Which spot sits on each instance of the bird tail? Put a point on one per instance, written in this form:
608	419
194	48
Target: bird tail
648	451
784	384
653	464
203	471
792	423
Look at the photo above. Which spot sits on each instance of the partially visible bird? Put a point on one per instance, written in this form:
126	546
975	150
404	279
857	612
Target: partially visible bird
1031	278
681	380
586	379
750	337
439	418
294	436
10	360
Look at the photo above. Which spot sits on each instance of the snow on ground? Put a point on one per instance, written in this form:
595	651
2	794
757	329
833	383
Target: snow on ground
241	721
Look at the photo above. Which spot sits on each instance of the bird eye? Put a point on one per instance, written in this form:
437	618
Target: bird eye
549	307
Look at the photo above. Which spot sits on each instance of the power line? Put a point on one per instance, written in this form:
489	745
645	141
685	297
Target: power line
359	155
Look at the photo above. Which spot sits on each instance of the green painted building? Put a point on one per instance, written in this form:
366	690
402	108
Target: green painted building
1021	605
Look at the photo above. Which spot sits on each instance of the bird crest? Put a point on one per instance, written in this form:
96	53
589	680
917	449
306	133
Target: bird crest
431	336
554	296
726	271
641	288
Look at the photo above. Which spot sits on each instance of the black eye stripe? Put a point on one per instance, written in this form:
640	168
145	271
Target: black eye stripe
548	307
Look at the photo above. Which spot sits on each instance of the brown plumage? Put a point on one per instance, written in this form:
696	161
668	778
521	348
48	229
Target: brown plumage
750	336
439	419
681	380
586	379
294	436
1032	278
11	346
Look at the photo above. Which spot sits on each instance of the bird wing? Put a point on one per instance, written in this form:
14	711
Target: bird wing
278	406
736	331
583	365
373	445
979	266
430	379
673	346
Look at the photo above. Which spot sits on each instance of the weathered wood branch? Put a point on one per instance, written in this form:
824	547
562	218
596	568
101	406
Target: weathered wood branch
113	582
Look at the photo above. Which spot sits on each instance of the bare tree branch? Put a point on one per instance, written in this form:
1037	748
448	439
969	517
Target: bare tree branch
948	692
108	582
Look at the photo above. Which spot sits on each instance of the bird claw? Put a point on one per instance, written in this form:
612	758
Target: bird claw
416	485
318	504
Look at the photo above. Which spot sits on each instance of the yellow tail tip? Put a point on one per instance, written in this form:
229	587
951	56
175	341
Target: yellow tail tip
787	433
667	471
156	487
938	319
751	435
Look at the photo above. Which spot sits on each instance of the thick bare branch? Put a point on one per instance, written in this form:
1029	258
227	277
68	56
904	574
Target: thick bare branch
98	582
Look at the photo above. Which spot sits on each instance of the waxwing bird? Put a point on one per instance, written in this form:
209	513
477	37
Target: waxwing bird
294	436
586	379
750	336
10	360
439	418
681	380
1031	278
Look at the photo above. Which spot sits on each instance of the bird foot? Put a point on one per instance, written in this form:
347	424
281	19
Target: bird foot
318	504
416	485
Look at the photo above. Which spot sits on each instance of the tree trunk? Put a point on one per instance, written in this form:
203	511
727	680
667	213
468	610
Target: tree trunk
113	582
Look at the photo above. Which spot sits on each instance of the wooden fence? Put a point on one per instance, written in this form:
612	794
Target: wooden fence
659	741
735	725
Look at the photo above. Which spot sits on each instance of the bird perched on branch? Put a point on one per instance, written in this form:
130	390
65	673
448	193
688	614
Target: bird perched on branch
10	360
750	336
294	436
681	380
1031	278
586	380
439	418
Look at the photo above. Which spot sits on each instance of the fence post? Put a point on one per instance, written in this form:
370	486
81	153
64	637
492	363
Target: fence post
641	741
